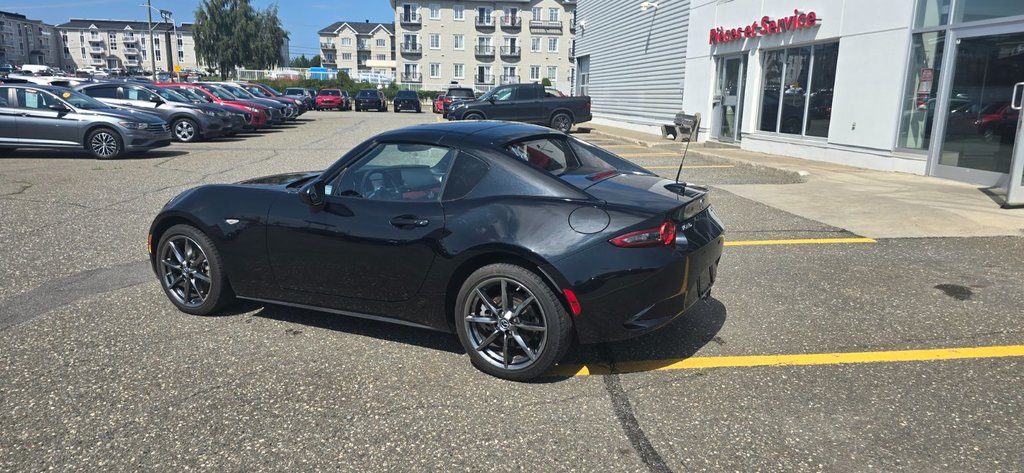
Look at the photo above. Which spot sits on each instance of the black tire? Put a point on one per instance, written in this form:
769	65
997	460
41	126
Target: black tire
472	116
104	143
539	307
562	122
185	130
218	291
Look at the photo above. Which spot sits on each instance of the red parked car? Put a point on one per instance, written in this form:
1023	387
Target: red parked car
259	116
332	98
439	104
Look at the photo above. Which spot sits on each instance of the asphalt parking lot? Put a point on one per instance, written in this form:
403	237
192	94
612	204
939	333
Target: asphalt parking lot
819	350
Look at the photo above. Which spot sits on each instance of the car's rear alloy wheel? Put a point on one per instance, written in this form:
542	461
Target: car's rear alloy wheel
511	324
561	122
185	130
104	144
473	116
191	271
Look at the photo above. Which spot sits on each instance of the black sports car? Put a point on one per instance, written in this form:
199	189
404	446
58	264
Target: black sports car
516	237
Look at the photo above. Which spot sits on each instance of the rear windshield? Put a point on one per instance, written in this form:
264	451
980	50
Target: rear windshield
367	93
461	93
332	93
295	91
406	94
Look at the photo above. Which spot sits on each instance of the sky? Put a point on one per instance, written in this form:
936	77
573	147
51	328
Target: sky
302	19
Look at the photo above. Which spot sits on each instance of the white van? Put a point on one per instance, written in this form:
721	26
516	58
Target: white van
36	68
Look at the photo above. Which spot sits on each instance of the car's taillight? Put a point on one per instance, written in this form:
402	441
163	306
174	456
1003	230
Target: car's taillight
665	235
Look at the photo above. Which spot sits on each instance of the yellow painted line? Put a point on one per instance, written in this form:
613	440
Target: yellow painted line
702	166
808	241
937	354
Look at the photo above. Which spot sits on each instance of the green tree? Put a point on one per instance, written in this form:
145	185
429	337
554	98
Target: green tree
546	82
314	61
300	61
230	33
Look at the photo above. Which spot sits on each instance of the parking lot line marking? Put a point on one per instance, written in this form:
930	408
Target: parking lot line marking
695	166
650	155
805	241
937	354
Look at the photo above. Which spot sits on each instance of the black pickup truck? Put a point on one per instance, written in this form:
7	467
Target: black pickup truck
530	103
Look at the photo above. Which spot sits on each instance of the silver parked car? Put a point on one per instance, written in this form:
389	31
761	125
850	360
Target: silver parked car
189	121
39	116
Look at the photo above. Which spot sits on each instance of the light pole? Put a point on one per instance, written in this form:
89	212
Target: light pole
165	16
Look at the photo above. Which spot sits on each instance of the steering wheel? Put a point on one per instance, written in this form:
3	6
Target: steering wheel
379	185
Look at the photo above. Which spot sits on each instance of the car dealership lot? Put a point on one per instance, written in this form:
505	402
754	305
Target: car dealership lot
98	371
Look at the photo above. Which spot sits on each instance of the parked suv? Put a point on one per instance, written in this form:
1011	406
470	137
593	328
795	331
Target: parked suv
303	94
407	100
39	116
371	98
189	122
456	95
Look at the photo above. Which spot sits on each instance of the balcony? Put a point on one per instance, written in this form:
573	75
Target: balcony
362	46
510	51
505	80
412	19
129	40
412	48
131	50
483	79
95	39
328	46
572	26
412	77
511	23
484	51
485	22
554	27
98	61
132	62
97	50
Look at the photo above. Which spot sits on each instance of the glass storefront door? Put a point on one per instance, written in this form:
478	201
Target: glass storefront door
729	94
979	139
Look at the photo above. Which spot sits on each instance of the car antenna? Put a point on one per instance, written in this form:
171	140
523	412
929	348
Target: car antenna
694	121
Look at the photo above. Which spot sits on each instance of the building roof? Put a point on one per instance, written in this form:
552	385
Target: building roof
139	26
361	27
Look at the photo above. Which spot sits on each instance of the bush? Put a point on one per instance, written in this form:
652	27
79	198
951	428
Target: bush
546	82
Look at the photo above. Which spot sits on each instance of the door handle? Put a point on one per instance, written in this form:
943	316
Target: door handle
404	221
1015	101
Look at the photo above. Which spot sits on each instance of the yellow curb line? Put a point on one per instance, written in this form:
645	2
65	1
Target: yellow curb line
808	241
792	360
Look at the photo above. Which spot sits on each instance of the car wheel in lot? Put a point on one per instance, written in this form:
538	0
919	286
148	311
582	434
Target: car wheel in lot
473	116
510	322
561	122
185	130
191	271
104	143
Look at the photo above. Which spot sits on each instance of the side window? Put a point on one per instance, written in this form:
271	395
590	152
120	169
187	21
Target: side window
131	93
527	93
34	99
466	173
102	92
550	154
396	172
3	96
503	95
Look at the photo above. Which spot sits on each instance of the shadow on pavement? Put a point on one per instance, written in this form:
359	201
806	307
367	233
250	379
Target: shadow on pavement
75	154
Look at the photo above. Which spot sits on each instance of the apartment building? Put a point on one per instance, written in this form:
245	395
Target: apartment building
123	44
482	44
359	49
25	41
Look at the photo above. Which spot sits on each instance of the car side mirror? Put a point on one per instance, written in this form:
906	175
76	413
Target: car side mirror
491	100
59	108
313	193
156	99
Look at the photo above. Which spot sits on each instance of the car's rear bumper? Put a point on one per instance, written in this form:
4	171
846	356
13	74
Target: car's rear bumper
618	305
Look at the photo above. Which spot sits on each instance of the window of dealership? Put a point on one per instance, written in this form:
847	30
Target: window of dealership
926	88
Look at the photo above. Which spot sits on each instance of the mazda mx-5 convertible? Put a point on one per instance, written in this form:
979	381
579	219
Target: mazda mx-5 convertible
518	238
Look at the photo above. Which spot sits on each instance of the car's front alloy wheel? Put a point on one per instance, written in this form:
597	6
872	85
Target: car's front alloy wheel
511	323
561	122
191	271
185	130
104	144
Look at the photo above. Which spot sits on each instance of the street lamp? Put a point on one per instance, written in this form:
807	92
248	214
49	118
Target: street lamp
165	15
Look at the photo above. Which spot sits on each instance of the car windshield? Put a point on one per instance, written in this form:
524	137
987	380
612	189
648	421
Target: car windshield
274	91
238	92
500	94
406	94
332	93
171	96
252	89
81	101
192	94
220	93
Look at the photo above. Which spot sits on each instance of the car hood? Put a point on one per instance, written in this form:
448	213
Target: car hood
136	115
281	179
636	190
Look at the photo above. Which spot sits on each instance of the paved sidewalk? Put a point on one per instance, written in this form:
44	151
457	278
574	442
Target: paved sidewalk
871	203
